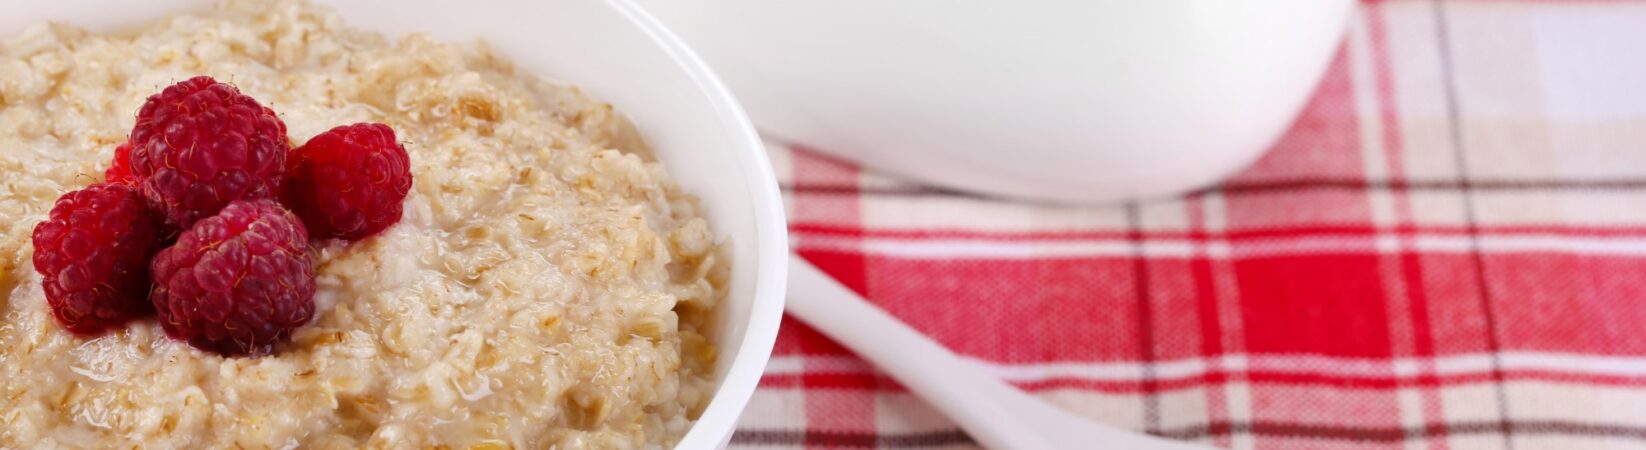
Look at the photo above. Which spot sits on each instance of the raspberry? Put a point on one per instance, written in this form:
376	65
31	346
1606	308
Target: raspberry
236	282
120	168
349	182
201	144
92	252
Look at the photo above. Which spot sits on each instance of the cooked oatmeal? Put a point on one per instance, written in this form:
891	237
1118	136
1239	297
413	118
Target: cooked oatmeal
545	289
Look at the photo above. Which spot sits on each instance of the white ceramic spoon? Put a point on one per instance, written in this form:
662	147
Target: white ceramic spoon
995	414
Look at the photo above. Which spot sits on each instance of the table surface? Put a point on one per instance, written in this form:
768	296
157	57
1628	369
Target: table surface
1447	250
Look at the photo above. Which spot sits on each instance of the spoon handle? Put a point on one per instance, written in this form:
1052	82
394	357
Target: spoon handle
997	415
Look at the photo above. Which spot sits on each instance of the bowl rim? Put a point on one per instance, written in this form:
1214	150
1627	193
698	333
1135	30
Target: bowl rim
714	427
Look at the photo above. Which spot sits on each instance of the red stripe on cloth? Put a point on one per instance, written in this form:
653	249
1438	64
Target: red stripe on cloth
1317	304
855	412
1080	309
1244	188
1322	304
1454	309
1295	435
1304	230
1143	287
1597	299
1432	407
878	382
1211	328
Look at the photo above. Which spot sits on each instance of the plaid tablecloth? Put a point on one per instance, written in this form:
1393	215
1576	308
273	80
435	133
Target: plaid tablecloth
1447	251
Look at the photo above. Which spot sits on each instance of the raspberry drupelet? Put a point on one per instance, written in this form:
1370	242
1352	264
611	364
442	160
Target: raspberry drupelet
119	170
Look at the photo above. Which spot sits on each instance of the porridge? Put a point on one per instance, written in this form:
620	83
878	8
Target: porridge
546	287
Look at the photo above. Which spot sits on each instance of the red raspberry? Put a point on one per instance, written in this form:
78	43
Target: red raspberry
120	168
236	282
349	182
92	253
200	144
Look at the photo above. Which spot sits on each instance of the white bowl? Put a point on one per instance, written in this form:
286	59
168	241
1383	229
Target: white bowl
621	55
1069	101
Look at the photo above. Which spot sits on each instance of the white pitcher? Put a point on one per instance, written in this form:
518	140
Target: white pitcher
1060	100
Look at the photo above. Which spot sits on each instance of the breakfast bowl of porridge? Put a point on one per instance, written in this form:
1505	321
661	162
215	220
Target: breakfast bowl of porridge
358	224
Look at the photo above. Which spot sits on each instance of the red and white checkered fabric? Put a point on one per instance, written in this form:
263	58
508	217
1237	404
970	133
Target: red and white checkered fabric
1447	251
